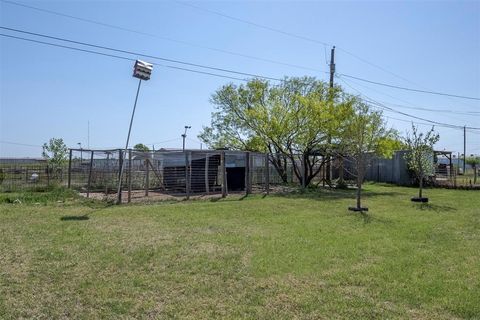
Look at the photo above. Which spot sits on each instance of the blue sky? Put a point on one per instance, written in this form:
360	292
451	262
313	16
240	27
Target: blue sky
51	92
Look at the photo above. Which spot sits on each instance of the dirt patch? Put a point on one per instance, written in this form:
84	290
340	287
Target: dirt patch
138	196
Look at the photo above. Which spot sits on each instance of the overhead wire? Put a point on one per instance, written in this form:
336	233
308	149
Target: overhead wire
410	105
372	101
20	144
384	107
409	89
138	54
117	27
290	34
316	41
120	57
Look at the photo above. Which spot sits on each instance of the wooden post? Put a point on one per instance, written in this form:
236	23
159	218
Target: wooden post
147	179
107	173
190	171
129	176
187	178
267	174
69	183
48	177
120	163
224	174
207	183
90	175
247	173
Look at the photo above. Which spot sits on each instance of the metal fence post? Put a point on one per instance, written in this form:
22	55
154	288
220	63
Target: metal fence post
224	174
187	180
207	183
120	164
69	183
90	175
129	175
267	174
147	179
247	173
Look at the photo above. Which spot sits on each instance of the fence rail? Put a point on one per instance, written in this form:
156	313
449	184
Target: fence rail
197	172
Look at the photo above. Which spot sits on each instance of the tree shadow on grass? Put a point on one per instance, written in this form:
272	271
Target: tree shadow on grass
435	207
323	194
85	216
369	218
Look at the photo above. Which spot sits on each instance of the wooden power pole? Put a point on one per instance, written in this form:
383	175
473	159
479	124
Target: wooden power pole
328	168
332	66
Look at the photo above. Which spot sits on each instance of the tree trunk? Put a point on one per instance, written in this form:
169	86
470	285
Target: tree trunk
421	187
281	167
340	172
360	174
359	193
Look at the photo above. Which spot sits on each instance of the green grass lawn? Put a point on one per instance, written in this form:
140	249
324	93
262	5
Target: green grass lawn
279	257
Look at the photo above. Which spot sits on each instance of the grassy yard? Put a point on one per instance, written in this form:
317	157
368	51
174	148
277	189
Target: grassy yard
280	257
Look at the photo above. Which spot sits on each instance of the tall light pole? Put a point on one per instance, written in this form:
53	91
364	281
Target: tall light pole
142	71
184	136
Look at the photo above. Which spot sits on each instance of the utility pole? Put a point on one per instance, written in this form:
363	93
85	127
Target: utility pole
464	147
332	75
332	66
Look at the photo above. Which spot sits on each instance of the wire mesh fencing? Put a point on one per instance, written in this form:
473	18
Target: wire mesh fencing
29	174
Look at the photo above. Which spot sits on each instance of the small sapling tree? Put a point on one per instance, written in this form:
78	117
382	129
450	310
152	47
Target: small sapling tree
363	139
55	152
474	162
419	156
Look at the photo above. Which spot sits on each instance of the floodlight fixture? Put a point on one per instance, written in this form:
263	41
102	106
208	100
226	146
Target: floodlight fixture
142	70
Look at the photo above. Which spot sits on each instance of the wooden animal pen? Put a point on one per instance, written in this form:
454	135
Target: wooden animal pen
169	172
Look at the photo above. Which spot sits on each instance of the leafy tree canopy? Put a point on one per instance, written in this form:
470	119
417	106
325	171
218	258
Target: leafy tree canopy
420	153
55	152
365	135
298	118
141	147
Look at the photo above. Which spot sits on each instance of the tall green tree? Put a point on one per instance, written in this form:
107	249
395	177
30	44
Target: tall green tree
420	154
363	138
56	154
292	120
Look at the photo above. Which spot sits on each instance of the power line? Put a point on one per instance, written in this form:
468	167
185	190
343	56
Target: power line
312	40
138	54
218	75
20	144
410	105
384	107
117	27
119	57
408	89
468	113
290	34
